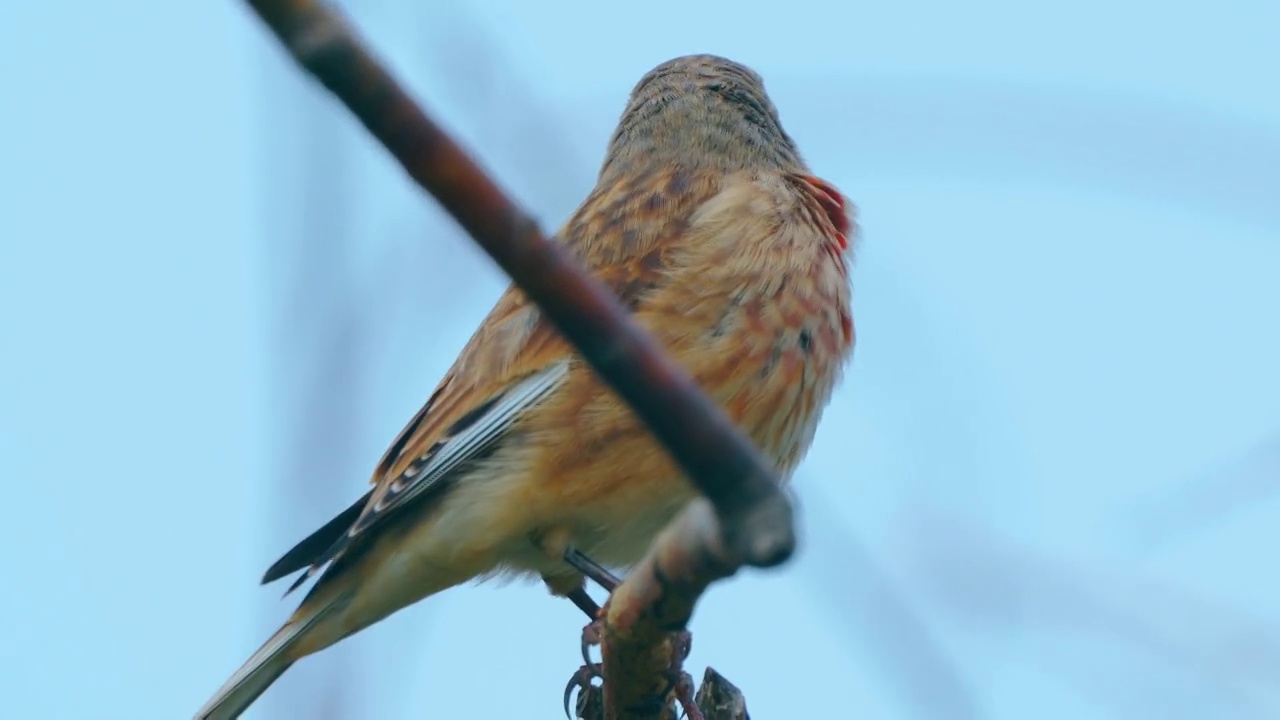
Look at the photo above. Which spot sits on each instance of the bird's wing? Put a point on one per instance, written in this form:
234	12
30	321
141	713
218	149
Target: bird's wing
622	234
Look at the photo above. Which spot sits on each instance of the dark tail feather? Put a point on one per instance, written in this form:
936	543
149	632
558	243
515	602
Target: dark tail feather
306	553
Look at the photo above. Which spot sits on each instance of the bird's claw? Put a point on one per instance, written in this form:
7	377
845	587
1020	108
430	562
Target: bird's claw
681	682
592	634
684	696
581	681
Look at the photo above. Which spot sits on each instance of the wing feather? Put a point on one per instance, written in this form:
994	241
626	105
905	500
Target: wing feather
622	233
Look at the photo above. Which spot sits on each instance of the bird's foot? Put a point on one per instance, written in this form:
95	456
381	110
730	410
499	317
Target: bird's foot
681	682
581	680
598	573
585	602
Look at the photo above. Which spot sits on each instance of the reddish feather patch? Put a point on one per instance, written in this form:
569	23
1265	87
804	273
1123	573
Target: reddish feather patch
833	202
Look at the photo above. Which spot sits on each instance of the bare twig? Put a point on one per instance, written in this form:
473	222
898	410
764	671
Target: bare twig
320	344
656	599
717	699
755	516
720	699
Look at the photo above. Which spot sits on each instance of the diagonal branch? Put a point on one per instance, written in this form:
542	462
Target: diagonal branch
755	518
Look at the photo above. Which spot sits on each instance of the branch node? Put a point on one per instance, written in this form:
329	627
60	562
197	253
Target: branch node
719	699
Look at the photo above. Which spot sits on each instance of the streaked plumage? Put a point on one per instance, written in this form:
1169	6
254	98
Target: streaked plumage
709	227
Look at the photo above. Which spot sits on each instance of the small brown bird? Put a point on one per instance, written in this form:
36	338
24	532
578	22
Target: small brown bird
709	227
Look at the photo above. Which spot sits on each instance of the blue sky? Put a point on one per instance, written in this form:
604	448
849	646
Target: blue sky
1046	489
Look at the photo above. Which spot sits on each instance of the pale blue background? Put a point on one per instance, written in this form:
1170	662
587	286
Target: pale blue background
1048	489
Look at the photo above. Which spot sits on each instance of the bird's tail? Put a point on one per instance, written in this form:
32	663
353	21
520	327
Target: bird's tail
260	670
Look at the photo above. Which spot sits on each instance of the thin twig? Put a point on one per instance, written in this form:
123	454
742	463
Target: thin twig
720	699
755	516
656	599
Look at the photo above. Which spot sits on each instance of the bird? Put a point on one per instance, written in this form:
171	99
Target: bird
712	231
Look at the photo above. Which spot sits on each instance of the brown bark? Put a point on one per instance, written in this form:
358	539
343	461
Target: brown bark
641	648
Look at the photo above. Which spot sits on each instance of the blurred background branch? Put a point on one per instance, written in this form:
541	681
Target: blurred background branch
320	344
1216	659
1239	483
